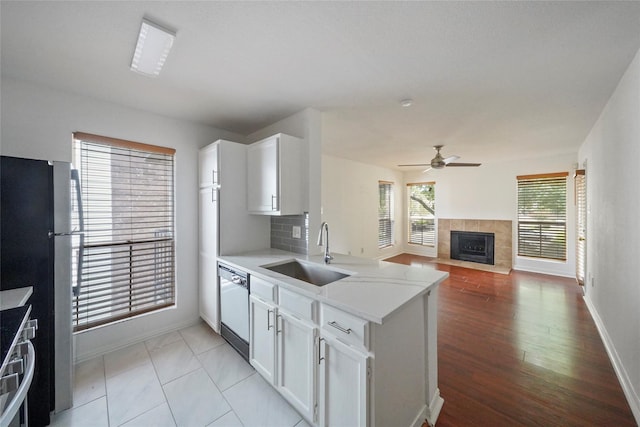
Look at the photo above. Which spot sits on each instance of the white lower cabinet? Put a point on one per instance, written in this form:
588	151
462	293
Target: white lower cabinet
262	351
344	385
295	363
282	350
339	370
326	380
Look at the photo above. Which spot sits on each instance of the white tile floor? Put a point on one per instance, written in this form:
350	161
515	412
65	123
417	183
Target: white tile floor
188	378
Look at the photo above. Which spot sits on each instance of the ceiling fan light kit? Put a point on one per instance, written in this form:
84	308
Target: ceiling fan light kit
439	162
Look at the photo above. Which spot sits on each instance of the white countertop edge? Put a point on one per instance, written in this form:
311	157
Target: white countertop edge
413	281
12	298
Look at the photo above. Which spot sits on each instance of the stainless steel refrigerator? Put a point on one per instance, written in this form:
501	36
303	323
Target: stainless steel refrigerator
35	250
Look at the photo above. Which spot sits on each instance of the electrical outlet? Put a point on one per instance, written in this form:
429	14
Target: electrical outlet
296	231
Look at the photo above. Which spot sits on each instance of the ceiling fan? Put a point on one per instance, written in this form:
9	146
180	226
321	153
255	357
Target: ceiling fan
439	162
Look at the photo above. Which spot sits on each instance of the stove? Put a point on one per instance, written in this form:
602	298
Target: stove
18	360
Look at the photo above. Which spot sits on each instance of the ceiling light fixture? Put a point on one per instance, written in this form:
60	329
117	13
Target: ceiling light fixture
152	48
406	102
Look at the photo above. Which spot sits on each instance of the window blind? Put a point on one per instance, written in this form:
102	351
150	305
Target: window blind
421	211
385	220
128	261
581	224
542	215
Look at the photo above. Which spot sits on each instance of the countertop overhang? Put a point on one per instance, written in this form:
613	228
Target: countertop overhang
374	291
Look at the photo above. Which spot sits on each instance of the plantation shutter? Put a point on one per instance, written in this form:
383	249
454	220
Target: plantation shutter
128	256
542	216
385	221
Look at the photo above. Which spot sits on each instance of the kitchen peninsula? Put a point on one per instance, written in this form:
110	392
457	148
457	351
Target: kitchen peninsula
361	350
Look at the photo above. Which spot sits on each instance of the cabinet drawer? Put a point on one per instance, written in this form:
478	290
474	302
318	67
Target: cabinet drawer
296	304
347	328
262	289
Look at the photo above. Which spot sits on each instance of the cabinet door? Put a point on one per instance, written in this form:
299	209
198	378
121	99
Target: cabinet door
296	363
208	297
262	352
208	221
208	165
263	186
343	384
208	243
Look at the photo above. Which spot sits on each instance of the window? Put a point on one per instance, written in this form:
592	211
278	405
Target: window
580	193
127	254
542	216
422	230
385	214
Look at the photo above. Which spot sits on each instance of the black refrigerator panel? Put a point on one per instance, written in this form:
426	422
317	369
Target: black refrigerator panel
27	259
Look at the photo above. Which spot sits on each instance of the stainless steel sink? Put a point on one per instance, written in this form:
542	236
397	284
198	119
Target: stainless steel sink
310	273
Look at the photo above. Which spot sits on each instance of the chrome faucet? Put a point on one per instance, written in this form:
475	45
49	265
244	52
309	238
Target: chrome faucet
327	255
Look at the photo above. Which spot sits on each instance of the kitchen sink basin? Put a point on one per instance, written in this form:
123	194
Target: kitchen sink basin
310	273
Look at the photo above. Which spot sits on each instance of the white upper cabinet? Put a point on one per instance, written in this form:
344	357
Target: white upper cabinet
208	166
275	178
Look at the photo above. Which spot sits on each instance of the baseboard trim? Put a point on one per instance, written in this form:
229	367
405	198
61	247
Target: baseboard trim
434	408
421	417
543	271
618	367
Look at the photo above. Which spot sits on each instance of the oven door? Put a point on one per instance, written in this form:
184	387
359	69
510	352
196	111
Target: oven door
13	405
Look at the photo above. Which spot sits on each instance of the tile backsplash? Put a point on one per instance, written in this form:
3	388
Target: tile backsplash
282	233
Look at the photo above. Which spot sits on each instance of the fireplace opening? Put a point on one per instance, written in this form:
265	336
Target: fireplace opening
472	246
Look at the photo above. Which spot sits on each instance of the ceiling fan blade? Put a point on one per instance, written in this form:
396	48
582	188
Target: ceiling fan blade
464	164
418	164
427	169
451	159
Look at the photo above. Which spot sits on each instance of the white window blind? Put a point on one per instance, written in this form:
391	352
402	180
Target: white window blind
128	259
385	214
542	216
421	210
581	224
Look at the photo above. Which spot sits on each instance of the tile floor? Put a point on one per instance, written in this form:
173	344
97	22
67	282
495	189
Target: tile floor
187	378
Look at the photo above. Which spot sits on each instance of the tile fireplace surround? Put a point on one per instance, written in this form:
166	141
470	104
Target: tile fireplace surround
503	255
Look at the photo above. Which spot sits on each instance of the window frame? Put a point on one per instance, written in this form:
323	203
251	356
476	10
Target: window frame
141	180
542	232
430	242
385	233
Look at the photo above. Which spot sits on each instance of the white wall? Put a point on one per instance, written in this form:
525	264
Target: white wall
350	200
37	123
490	192
350	206
612	155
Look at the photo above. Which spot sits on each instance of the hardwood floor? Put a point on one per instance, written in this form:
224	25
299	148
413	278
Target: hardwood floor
520	349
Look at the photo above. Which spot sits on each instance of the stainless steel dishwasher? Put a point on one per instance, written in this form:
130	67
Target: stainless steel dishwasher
234	308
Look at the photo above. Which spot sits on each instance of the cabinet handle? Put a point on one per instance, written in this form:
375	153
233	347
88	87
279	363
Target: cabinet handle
213	194
335	324
269	325
278	324
213	177
274	206
320	358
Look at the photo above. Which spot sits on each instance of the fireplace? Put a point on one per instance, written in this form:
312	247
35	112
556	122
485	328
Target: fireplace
473	246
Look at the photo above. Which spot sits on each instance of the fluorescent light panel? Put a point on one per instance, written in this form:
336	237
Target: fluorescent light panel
152	48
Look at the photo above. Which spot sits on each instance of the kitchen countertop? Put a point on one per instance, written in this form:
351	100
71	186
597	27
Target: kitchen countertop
373	291
15	297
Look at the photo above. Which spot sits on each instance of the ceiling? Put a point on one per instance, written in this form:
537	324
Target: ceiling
492	81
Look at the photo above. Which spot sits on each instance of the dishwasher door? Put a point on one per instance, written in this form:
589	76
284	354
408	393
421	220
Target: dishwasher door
234	308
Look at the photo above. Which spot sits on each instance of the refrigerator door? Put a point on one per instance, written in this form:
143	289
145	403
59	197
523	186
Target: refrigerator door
63	365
